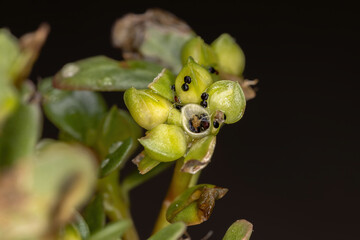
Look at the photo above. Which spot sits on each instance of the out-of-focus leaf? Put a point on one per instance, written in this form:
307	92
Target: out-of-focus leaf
78	113
112	231
172	232
239	230
116	127
80	224
195	204
165	46
70	232
101	73
64	174
9	51
30	46
144	162
18	57
94	214
199	155
8	101
20	134
43	193
156	35
116	159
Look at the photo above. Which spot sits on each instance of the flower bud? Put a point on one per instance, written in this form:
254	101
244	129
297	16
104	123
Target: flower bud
191	82
195	120
165	143
231	58
202	53
147	108
163	83
228	97
195	205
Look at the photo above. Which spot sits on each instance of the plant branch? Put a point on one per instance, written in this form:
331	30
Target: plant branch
179	183
115	207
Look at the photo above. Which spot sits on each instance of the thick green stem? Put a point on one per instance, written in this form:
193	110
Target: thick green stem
179	183
115	207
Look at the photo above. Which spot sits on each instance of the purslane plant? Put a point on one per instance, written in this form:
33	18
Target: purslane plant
181	90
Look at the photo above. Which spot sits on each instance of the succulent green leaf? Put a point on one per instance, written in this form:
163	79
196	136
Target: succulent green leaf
164	143
200	80
146	107
112	231
116	159
101	73
172	232
9	51
77	113
80	224
239	230
195	204
19	135
228	97
165	46
231	58
117	126
202	53
162	84
199	155
94	214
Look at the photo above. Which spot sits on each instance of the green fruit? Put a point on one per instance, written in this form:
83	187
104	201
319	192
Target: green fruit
228	97
202	53
199	79
165	143
231	58
146	107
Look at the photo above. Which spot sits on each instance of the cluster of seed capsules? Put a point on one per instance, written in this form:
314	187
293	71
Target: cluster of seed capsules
183	114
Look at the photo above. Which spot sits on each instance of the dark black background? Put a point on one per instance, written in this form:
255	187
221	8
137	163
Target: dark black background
292	162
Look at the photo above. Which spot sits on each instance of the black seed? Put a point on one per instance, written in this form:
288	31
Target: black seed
204	96
173	87
187	79
178	106
216	124
185	87
213	70
203	103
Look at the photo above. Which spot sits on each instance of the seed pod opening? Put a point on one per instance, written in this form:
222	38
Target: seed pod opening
195	120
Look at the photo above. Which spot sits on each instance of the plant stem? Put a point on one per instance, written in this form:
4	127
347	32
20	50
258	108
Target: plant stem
115	207
179	183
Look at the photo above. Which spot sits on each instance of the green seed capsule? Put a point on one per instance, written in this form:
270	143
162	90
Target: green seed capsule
163	84
200	51
231	58
200	80
165	143
228	97
146	107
